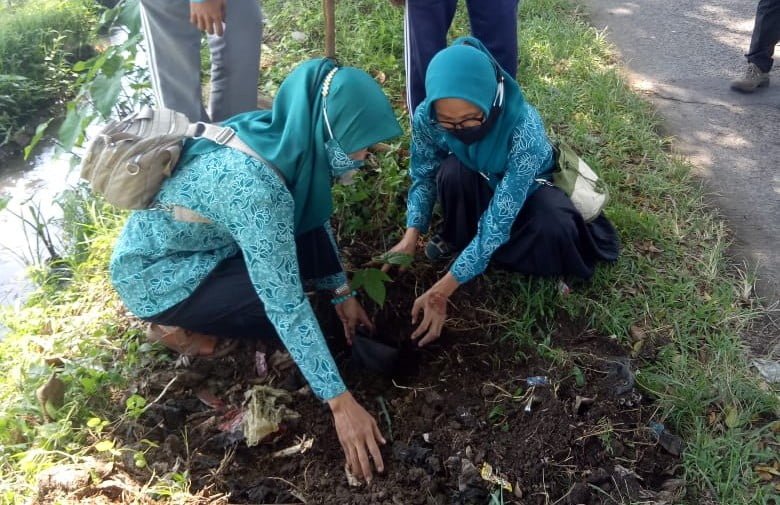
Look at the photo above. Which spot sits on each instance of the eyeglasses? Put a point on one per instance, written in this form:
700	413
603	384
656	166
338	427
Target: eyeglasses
470	122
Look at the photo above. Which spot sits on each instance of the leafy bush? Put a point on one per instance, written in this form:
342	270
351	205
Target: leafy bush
39	41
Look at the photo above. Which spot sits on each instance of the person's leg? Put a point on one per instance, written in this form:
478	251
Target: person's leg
463	195
426	23
235	61
495	25
766	34
226	303
549	238
174	56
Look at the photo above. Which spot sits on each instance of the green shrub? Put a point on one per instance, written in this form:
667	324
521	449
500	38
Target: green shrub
39	41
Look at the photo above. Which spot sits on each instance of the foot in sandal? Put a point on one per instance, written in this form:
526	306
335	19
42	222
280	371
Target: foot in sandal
190	343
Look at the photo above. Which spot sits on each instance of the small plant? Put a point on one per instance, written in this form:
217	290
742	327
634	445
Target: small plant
136	406
372	280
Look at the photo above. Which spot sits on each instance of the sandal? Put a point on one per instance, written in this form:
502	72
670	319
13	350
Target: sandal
438	249
190	343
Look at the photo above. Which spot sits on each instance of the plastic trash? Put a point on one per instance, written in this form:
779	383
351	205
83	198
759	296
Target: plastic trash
620	370
373	355
666	439
537	380
262	415
769	370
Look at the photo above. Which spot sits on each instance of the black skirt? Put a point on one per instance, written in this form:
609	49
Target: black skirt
226	302
549	236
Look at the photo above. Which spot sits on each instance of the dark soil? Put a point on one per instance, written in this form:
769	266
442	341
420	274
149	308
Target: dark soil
453	406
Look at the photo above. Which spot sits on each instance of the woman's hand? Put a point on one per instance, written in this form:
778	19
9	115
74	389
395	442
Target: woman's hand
353	315
407	245
359	435
208	16
433	304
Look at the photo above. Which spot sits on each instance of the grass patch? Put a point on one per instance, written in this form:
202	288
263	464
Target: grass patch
673	281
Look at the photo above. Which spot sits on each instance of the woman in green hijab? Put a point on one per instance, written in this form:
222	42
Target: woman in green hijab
482	150
262	232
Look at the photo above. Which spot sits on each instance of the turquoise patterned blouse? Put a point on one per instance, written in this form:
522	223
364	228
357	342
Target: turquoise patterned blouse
158	261
530	157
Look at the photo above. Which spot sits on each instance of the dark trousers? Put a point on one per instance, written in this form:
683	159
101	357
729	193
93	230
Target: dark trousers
549	238
426	22
226	302
766	34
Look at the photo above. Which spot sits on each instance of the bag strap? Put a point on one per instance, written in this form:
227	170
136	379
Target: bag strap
226	136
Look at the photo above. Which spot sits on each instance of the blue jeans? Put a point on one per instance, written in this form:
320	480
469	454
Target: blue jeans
766	34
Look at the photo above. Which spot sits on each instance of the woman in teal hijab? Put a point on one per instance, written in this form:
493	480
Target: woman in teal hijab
257	231
482	150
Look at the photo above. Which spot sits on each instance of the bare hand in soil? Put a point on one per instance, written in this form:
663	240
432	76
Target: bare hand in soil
353	315
407	245
208	16
358	434
433	305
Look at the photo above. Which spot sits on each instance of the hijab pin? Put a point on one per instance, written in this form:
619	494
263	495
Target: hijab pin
326	82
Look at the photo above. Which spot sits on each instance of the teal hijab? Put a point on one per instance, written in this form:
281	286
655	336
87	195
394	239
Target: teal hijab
468	71
292	135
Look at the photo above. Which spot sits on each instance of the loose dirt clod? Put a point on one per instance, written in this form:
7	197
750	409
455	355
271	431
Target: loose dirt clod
50	395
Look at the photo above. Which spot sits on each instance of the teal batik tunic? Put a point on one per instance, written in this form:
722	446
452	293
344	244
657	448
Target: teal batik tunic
159	262
530	156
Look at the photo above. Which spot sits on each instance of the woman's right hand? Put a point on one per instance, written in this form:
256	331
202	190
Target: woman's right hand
358	434
407	245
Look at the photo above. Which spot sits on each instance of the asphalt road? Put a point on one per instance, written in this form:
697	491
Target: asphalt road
683	54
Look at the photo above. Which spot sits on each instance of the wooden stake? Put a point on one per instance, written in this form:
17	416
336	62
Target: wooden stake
329	8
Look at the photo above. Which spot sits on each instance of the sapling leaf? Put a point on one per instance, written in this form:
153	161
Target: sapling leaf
372	280
396	258
39	131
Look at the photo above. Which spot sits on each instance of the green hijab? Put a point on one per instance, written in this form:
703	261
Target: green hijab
468	71
292	135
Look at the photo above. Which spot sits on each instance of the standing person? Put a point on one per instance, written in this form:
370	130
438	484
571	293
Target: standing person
239	273
482	149
172	29
766	35
426	22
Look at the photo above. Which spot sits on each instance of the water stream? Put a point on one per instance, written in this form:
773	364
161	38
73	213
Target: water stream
35	182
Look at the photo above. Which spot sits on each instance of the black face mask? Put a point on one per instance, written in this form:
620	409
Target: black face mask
476	133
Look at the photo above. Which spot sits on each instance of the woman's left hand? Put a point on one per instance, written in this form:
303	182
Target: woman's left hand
433	304
353	315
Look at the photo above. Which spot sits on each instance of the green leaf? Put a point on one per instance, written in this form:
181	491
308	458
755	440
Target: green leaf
69	130
105	91
139	459
90	385
732	417
4	199
579	377
94	422
104	445
372	280
135	403
39	131
130	16
80	66
396	258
